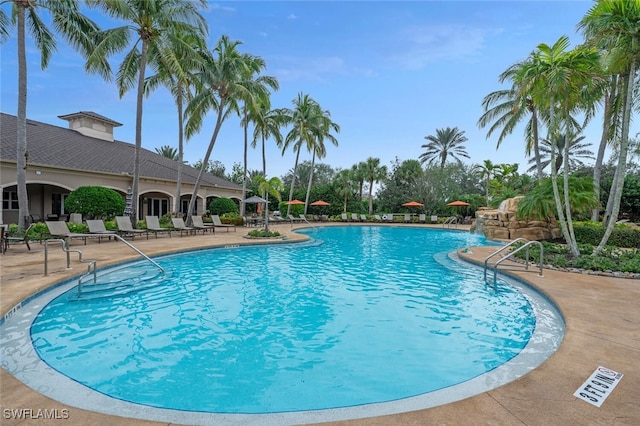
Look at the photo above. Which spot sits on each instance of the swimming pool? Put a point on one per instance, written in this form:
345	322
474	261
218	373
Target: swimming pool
351	322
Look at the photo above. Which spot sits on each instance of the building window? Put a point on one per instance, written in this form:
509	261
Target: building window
10	200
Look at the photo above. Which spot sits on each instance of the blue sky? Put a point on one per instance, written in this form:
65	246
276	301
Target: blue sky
390	72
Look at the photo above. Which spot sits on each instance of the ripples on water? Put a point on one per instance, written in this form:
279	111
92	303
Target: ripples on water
367	316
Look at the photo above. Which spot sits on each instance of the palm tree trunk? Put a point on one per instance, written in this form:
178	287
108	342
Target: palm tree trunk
536	144
244	174
597	168
136	156
21	143
306	200
180	149
293	178
618	184
371	197
212	142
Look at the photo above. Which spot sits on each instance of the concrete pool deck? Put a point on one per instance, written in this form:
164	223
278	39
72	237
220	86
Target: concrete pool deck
602	316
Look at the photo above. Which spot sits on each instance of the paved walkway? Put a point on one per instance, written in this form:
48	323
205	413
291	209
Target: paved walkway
602	317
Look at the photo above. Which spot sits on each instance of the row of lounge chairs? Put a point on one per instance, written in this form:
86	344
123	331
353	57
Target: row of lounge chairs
388	217
98	230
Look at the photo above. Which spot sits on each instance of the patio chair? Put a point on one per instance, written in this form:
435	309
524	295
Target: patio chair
126	229
377	218
153	225
344	217
422	218
304	218
198	223
293	219
407	218
434	218
96	226
354	217
363	218
389	217
9	238
217	223
179	225
61	230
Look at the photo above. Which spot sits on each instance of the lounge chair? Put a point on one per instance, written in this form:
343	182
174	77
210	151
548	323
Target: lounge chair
377	218
179	225
389	217
304	218
434	219
126	229
354	217
422	218
293	219
344	217
407	218
363	218
8	238
217	223
61	230
198	223
96	226
153	225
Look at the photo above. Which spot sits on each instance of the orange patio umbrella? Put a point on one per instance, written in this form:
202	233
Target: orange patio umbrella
320	203
295	202
458	204
413	204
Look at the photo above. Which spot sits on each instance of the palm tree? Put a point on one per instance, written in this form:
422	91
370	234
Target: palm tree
318	149
272	187
357	173
507	108
344	184
558	80
307	121
151	24
576	151
175	71
261	85
447	142
485	172
168	152
75	28
615	26
373	173
267	124
219	86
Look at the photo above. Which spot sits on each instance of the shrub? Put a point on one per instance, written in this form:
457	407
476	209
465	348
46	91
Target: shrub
592	233
263	233
95	202
221	206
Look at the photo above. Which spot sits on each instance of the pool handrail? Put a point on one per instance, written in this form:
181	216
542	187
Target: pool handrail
526	246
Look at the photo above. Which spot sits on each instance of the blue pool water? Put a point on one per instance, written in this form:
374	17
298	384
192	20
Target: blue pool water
364	315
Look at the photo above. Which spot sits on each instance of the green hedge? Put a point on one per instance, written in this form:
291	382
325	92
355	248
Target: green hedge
592	233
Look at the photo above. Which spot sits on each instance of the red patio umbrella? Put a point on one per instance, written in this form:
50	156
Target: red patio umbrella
413	204
295	202
320	203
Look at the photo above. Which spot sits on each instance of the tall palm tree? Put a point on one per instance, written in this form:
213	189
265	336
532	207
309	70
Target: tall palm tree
148	26
558	79
318	149
261	85
577	151
615	26
75	28
357	173
306	120
345	186
447	143
267	124
373	173
175	70
507	108
219	86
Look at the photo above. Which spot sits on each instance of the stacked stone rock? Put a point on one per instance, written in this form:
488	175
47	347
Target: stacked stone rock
503	224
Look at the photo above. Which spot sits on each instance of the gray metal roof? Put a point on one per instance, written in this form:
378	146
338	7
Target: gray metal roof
64	148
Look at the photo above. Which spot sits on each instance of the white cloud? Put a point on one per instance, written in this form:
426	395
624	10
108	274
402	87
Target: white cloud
289	68
423	45
216	6
292	16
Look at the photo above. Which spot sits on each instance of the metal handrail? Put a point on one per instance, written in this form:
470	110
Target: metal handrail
502	259
139	252
450	221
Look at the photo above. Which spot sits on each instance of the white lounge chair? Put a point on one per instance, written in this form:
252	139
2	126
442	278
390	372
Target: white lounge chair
217	223
422	218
